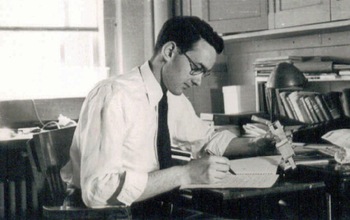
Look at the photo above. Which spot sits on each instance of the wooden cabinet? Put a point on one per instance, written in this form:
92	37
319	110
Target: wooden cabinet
227	16
290	13
340	9
300	12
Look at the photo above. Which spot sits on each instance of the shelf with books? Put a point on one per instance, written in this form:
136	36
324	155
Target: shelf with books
325	97
262	99
310	107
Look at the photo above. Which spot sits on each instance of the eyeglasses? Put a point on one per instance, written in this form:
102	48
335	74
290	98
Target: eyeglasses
195	69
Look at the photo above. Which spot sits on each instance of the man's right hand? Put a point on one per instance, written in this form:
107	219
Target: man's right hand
208	169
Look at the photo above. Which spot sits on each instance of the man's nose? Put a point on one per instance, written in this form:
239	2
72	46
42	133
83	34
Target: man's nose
197	80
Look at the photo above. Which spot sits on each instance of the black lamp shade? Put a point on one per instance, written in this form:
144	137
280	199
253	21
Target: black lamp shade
286	75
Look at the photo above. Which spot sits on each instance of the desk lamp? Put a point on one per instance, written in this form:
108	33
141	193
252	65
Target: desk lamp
284	76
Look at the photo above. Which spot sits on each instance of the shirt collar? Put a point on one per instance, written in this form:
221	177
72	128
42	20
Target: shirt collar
153	89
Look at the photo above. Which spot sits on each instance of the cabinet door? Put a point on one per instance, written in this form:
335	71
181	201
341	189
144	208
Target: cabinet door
228	16
340	9
300	12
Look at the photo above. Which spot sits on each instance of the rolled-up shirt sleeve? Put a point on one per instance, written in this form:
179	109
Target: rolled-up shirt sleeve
219	141
190	133
134	185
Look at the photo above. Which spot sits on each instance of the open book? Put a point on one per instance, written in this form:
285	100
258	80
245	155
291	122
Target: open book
253	172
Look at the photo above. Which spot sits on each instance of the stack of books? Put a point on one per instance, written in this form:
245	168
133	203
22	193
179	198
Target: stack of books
180	156
264	66
314	67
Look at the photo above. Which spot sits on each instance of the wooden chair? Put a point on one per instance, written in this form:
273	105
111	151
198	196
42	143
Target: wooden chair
48	152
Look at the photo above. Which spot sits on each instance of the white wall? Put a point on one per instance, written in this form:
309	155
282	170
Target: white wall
137	25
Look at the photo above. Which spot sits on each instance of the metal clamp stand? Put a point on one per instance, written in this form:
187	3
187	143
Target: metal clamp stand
284	144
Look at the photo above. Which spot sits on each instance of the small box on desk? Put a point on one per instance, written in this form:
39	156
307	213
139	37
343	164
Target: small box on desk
239	98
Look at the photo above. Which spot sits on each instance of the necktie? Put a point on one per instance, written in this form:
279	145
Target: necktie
163	140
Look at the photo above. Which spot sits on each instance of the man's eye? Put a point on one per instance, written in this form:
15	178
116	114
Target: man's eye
198	69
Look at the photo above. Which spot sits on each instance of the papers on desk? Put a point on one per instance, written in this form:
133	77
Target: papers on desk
327	149
17	137
340	138
253	172
313	154
7	134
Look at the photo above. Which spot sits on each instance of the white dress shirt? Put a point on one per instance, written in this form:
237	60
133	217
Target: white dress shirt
117	133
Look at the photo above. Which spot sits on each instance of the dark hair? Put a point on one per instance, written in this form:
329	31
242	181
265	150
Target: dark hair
187	30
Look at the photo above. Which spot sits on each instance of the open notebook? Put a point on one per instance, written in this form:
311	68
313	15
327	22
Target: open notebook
253	172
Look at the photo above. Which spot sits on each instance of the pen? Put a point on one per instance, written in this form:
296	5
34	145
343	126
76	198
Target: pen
229	170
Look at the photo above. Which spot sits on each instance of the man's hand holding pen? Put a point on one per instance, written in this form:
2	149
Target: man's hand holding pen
208	169
229	169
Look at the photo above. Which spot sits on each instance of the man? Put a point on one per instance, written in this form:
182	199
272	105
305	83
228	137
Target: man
113	157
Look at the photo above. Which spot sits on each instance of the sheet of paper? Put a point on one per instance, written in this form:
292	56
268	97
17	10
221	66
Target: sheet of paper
256	165
339	137
254	172
239	181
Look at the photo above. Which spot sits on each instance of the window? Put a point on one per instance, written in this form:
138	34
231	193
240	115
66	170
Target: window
50	49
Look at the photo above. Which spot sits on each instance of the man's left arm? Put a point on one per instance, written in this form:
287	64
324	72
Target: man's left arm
188	129
248	147
225	143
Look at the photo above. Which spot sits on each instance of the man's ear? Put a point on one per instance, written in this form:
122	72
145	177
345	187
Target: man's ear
168	50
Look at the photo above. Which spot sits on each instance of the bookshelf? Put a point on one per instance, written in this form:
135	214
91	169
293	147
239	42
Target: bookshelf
313	85
311	131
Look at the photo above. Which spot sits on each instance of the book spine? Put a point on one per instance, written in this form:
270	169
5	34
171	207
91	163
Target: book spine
331	99
262	97
311	109
221	120
304	109
280	107
324	110
315	66
294	99
345	99
317	109
286	105
295	116
268	99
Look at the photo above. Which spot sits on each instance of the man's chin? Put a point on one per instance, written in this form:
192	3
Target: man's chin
177	92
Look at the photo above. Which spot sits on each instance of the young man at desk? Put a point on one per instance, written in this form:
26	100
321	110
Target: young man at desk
114	157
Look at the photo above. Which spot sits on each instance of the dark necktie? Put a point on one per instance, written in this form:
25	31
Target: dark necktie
163	141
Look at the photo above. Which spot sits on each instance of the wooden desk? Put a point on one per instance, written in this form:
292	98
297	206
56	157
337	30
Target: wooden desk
337	180
263	203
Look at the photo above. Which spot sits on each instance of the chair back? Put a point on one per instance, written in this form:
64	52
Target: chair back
48	152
